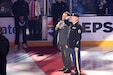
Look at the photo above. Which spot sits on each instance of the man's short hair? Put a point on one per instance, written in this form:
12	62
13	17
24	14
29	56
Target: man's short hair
67	13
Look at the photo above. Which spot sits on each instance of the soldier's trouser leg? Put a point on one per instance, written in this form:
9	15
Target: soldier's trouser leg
76	60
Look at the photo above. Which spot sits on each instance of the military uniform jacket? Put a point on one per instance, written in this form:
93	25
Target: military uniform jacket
75	35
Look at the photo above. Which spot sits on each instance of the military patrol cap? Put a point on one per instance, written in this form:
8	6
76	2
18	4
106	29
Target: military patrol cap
75	14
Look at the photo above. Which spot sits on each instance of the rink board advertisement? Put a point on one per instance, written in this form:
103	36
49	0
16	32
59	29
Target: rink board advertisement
8	28
50	29
94	28
97	28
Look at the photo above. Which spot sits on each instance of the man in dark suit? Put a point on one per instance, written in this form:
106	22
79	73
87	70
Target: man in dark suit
62	40
20	11
58	9
4	49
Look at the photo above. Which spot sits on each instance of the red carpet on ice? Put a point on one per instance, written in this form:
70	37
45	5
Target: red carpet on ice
48	59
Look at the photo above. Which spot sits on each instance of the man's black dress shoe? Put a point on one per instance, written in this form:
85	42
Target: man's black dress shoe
62	69
67	71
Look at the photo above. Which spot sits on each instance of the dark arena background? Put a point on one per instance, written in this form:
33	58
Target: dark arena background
41	58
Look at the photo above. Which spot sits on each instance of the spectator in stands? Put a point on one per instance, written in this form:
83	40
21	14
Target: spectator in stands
110	7
34	25
89	6
101	7
77	6
4	49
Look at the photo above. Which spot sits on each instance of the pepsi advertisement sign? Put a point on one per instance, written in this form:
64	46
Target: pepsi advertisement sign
96	28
